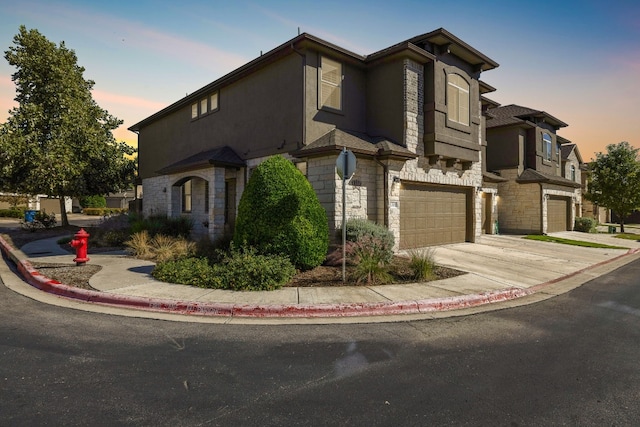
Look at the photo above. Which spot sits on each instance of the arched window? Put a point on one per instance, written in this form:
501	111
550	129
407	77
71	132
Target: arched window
573	173
458	99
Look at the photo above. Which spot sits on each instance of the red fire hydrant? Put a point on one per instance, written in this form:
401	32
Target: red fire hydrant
81	243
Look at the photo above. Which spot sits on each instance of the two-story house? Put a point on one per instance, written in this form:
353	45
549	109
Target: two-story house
524	149
410	113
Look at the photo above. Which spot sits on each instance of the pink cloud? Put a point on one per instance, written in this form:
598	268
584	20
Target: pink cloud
130	101
110	29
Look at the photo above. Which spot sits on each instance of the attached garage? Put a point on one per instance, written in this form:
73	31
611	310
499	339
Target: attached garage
557	214
433	215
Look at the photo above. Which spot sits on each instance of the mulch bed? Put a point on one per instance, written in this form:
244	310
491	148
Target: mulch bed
72	275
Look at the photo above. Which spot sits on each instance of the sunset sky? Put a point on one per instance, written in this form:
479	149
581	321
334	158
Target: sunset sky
577	60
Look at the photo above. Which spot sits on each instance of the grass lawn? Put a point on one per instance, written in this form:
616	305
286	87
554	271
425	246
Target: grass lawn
552	239
628	236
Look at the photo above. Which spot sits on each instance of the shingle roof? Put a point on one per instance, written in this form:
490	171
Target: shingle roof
530	176
514	114
360	143
221	156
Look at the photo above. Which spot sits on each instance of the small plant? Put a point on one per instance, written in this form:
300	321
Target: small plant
139	244
358	229
585	225
422	263
369	256
187	271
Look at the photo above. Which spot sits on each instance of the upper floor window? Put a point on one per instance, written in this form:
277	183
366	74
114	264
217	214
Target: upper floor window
330	89
573	173
546	146
206	105
458	99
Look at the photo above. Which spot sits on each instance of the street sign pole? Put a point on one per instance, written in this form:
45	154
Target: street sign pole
345	166
344	215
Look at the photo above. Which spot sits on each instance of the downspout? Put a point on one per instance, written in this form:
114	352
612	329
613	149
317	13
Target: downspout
304	95
385	169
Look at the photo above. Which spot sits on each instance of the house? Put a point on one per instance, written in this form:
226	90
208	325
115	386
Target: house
539	195
410	113
571	169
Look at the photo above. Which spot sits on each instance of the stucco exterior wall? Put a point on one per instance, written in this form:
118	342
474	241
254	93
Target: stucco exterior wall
258	115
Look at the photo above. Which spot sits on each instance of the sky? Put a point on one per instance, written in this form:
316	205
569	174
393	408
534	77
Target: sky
577	60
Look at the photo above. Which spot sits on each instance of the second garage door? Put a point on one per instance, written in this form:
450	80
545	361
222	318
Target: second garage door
432	215
557	214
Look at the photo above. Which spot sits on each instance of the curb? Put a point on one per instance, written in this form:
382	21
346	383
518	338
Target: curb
228	310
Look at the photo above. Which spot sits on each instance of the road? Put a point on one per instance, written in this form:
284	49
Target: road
570	360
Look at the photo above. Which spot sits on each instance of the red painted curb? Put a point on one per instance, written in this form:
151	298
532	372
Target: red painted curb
37	280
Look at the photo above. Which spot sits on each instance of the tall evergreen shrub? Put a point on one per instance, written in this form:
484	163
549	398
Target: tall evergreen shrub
279	213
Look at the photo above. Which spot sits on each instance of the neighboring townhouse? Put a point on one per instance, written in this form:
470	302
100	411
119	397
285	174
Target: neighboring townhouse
524	149
589	209
410	113
571	169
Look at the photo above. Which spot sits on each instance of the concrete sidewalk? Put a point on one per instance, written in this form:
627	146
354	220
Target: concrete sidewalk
500	269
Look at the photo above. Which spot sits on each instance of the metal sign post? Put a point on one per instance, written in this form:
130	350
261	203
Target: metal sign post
346	166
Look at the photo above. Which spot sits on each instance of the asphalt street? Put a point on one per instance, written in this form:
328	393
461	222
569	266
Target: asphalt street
569	360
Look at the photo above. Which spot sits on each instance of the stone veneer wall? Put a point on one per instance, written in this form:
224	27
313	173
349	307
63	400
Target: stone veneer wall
419	170
161	197
519	205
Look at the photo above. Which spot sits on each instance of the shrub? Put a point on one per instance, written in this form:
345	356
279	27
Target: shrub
585	225
279	213
41	220
359	229
422	263
160	224
187	271
93	202
245	269
12	212
165	248
370	259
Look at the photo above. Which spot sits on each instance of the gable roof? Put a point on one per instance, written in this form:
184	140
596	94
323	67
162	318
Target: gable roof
567	149
221	156
411	48
337	139
531	176
517	114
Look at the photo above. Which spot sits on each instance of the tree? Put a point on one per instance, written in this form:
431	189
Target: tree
615	180
58	141
279	213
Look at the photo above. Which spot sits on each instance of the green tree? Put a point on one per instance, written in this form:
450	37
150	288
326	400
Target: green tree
615	180
58	141
279	213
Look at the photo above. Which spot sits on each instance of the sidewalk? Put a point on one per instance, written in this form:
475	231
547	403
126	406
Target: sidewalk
500	269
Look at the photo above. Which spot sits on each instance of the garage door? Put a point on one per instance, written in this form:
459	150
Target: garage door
557	214
432	215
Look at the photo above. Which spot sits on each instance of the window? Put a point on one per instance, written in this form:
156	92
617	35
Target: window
186	196
330	84
573	173
213	102
206	105
458	99
546	146
206	197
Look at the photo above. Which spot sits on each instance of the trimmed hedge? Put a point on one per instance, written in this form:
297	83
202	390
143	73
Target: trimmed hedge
103	211
279	213
12	213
